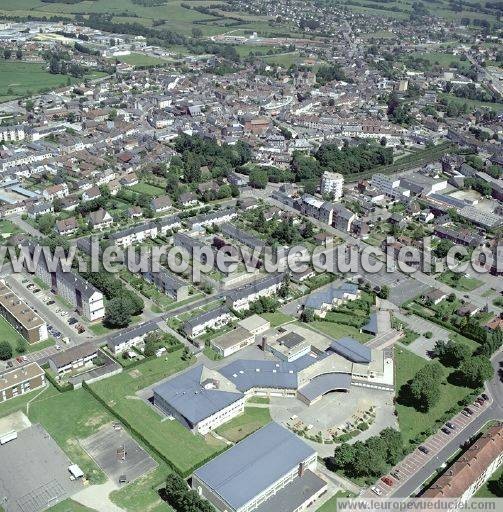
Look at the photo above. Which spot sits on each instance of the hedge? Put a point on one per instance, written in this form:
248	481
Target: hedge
139	435
62	388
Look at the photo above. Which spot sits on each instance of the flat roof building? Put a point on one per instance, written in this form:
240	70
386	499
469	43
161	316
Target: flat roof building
19	381
261	470
21	316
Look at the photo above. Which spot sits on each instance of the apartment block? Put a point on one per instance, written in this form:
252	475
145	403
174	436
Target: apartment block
21	316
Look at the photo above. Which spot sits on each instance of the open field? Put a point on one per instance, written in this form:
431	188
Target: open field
176	17
245	424
412	422
18	79
70	505
184	449
69	417
277	318
459	281
141	60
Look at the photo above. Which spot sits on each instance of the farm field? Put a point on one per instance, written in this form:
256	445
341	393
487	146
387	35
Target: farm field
176	17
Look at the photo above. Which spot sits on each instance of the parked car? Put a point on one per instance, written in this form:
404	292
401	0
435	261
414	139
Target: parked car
484	396
387	480
36	290
468	411
424	449
376	490
451	425
445	430
10	364
72	320
50	302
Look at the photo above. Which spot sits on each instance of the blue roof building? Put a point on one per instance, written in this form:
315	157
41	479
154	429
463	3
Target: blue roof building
259	469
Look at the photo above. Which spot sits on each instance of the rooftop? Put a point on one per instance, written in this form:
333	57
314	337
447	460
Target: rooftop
253	465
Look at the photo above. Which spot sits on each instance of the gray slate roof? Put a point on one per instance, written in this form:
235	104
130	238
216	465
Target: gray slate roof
254	464
322	384
352	350
185	394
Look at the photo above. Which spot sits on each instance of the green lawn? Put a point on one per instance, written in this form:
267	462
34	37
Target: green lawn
9	334
245	424
141	494
18	79
69	417
459	281
70	505
411	421
141	60
169	438
277	318
259	400
337	331
8	228
331	504
150	190
19	403
488	489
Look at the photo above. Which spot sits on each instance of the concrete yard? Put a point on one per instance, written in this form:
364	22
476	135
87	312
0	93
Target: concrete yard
105	446
34	472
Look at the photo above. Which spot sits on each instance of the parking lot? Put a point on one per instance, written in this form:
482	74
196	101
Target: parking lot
34	472
118	454
410	466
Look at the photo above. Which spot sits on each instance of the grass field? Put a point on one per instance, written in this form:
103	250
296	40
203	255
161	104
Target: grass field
169	438
141	60
70	505
11	336
331	504
411	421
18	79
141	494
175	16
473	104
337	331
459	281
69	417
277	318
149	190
245	424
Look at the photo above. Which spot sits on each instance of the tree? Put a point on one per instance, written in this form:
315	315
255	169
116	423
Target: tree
117	313
451	353
7	54
383	292
21	346
5	350
258	178
307	315
285	287
474	371
19	54
425	386
45	223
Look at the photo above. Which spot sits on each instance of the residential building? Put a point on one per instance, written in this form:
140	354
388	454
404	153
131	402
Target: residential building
331	184
161	204
21	316
100	219
169	284
19	381
472	469
67	226
87	300
272	469
213	319
129	338
74	358
241	298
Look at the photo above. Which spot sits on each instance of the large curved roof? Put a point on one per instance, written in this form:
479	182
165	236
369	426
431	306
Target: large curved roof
325	383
